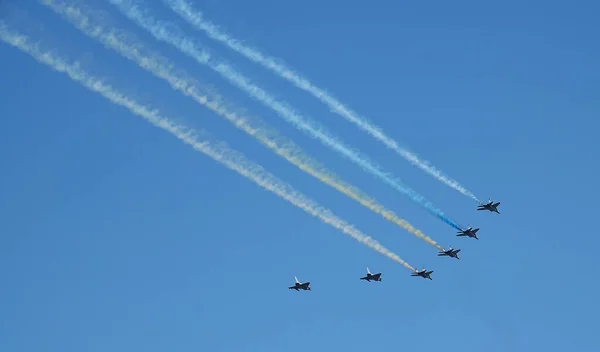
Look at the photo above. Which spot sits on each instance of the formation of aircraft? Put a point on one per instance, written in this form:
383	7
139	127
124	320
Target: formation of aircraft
369	277
490	206
470	232
424	273
450	252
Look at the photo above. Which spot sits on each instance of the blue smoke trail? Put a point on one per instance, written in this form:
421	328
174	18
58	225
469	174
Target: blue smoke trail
170	33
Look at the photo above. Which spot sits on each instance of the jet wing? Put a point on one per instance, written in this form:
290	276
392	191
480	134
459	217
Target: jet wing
376	276
305	285
496	204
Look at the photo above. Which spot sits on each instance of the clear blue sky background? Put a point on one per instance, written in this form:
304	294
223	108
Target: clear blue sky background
117	237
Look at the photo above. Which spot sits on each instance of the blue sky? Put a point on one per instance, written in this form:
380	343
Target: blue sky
116	236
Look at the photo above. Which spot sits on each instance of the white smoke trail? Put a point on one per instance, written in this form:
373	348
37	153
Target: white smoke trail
170	33
162	68
219	152
195	18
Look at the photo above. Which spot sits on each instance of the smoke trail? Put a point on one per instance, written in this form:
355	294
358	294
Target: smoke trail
220	152
171	34
162	68
187	12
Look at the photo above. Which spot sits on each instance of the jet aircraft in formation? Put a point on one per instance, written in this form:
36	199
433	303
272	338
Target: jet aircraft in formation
491	206
369	277
300	286
424	273
450	252
470	232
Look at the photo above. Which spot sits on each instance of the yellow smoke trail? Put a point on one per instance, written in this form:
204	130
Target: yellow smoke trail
220	152
132	49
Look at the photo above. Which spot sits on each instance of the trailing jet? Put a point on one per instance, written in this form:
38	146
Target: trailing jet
450	252
469	232
423	273
369	277
300	286
491	206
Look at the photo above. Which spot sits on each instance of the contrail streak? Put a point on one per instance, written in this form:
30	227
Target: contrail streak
171	34
195	18
219	152
162	68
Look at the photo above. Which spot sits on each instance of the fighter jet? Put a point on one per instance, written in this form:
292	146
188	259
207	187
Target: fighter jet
450	252
491	206
369	277
300	286
423	273
469	232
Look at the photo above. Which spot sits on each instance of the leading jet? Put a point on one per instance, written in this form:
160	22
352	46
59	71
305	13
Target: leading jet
450	252
300	286
423	273
369	277
491	206
470	232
